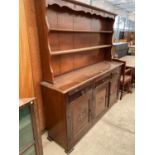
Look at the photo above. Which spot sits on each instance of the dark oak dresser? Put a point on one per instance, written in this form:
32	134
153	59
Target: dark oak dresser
29	134
80	81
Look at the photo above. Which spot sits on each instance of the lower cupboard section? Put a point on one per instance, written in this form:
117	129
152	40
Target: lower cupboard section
69	116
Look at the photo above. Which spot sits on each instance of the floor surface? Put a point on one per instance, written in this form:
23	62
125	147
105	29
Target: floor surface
114	134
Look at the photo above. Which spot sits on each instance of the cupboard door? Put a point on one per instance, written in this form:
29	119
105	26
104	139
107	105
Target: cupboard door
80	113
114	90
101	97
25	128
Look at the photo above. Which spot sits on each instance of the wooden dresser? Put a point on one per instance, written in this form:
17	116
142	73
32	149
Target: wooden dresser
80	82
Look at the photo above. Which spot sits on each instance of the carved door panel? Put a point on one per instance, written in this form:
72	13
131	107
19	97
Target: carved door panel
80	104
114	90
114	85
101	97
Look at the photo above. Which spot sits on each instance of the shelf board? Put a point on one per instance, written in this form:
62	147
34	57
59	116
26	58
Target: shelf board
79	50
82	31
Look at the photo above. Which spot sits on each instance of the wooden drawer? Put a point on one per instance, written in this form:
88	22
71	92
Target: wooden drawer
103	79
80	89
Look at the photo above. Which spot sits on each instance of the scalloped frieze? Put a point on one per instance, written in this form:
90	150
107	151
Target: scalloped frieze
81	8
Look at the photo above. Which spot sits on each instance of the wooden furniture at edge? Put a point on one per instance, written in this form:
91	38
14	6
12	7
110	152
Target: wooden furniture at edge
130	61
29	134
80	82
126	77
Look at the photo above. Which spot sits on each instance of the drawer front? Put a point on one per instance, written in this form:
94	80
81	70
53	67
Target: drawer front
80	113
73	95
25	128
103	79
81	89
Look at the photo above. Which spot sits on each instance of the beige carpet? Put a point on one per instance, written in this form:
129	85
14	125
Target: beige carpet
114	134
